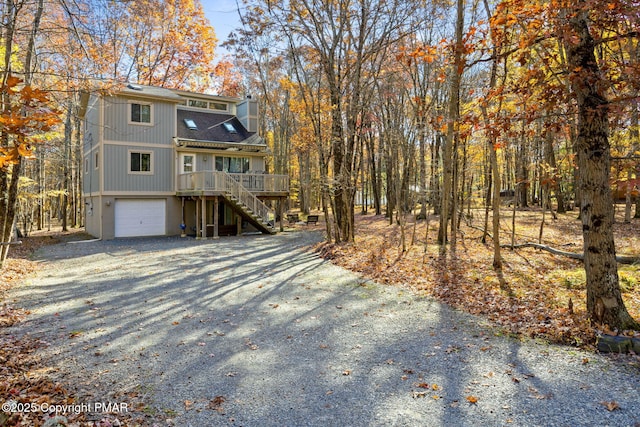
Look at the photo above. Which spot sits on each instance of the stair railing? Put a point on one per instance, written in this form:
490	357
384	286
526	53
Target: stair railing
232	187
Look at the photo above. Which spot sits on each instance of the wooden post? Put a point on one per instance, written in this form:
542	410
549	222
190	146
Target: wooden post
280	206
239	225
216	205
182	232
198	214
204	217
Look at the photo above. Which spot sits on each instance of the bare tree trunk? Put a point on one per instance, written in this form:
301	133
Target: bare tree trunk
553	178
375	173
452	133
68	131
604	299
423	170
435	198
634	134
78	206
492	147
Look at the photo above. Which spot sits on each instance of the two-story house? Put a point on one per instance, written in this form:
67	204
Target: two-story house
165	162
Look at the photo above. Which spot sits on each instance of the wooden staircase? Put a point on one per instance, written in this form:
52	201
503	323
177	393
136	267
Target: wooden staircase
246	203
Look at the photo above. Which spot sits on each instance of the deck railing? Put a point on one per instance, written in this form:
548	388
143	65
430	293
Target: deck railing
255	183
231	186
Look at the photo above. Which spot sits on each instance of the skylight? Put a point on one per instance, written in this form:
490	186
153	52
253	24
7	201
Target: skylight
229	127
191	124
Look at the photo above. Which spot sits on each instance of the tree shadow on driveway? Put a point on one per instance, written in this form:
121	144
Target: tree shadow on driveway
258	330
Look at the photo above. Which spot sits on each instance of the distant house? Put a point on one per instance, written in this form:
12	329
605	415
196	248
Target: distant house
167	162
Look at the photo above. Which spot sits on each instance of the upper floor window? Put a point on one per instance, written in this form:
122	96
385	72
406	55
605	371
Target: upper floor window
198	103
140	113
140	161
202	103
219	106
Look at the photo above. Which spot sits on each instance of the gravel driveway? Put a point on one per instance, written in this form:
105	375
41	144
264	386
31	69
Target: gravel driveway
259	331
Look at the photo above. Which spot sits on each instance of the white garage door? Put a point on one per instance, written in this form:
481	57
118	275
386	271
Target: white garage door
140	217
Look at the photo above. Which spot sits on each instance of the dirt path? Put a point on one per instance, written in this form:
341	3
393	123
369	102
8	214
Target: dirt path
258	331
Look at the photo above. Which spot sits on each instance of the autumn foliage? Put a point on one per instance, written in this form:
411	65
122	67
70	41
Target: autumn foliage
537	294
26	116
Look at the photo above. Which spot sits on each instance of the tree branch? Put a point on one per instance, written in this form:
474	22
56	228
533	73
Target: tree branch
621	259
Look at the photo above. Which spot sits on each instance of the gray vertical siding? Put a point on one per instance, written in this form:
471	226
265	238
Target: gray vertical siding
248	114
208	165
118	178
116	116
90	177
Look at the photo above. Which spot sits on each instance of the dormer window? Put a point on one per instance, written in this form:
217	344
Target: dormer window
198	103
218	106
191	124
229	127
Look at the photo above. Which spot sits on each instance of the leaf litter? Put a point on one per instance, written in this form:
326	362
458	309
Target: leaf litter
24	377
536	294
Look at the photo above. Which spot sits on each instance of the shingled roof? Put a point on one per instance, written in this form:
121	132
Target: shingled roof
210	128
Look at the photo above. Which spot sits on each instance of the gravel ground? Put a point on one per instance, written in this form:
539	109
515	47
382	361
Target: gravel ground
259	331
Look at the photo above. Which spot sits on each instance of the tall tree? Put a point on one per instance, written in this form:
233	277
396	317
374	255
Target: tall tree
604	299
350	39
582	28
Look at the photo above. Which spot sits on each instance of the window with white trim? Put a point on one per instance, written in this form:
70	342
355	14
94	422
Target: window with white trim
140	113
232	164
140	161
187	163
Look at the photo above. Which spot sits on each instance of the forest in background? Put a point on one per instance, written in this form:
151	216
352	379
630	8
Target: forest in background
444	107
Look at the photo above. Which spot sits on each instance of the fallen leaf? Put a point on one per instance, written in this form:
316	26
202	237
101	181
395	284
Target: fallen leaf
216	404
611	406
472	399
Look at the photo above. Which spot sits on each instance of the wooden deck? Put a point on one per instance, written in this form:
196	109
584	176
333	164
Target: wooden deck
211	183
248	202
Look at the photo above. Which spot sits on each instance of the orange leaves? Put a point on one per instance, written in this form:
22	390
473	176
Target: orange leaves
423	52
25	150
23	119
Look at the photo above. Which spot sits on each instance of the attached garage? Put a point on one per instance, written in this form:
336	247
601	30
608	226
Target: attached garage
140	217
